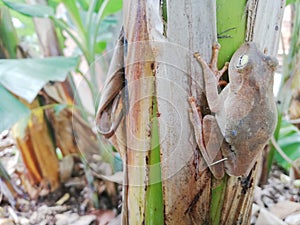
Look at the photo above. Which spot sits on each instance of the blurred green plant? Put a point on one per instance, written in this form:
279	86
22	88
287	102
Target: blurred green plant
290	2
289	142
286	134
86	23
25	78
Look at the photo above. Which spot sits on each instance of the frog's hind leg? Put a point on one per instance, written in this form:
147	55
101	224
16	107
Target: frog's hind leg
213	140
209	142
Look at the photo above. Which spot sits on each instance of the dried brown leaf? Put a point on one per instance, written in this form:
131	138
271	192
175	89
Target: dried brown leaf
285	208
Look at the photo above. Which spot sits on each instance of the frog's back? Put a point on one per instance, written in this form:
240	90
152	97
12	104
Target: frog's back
259	122
247	136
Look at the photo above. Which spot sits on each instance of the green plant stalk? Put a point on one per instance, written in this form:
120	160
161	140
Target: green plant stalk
52	106
92	44
88	36
87	55
85	52
164	15
65	27
295	46
271	154
75	15
91	10
216	204
231	29
89	24
8	35
98	21
154	196
94	81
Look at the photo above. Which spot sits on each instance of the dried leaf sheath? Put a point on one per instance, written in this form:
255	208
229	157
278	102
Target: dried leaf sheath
111	108
38	150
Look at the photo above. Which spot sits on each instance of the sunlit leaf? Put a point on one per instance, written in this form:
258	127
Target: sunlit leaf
100	47
290	2
25	28
8	35
53	3
37	10
26	77
75	15
11	109
59	153
287	129
289	141
112	7
292	151
84	4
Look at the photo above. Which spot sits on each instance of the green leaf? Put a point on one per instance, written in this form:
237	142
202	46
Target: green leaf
231	23
100	47
290	2
53	3
37	10
25	30
84	4
154	195
112	7
75	15
59	154
292	151
26	77
8	35
11	109
289	142
287	130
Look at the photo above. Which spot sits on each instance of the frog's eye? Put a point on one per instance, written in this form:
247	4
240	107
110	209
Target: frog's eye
242	62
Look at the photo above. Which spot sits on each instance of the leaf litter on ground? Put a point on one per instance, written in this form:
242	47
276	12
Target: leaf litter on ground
70	204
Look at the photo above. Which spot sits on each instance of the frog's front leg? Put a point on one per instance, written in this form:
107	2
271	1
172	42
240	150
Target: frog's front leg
210	141
212	76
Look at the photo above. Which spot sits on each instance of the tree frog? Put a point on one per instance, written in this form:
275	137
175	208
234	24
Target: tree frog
243	115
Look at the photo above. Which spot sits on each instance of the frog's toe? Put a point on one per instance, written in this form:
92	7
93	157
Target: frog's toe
216	45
